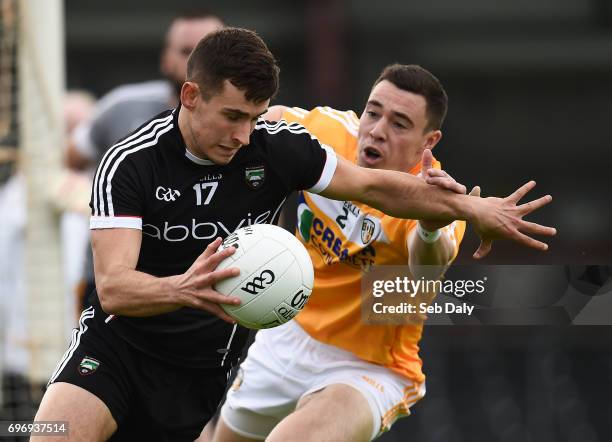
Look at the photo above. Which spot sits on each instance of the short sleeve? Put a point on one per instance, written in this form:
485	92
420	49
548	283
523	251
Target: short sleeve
295	115
302	162
117	199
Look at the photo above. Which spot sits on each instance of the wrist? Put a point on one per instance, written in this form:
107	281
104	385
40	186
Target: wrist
469	208
174	291
428	236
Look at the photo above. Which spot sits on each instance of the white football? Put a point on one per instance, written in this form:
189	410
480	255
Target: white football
276	276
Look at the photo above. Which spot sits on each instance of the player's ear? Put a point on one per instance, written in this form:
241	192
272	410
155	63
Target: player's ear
432	138
190	93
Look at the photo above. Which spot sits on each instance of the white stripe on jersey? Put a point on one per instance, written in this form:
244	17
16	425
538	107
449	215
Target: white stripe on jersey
297	111
273	128
272	125
229	344
276	127
349	116
109	186
331	161
74	343
342	119
328	171
143	134
295	130
110	155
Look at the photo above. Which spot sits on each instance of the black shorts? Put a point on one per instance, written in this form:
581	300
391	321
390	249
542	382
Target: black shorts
148	398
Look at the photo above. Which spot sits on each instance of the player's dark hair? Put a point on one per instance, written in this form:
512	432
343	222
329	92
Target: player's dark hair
237	55
415	79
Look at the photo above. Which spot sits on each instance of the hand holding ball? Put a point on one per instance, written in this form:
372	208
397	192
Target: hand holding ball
276	276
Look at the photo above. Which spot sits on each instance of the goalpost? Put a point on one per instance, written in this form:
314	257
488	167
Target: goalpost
31	138
41	67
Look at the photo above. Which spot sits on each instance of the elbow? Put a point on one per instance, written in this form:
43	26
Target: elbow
107	296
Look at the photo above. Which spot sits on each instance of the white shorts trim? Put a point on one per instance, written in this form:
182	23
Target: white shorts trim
285	364
237	420
74	343
376	417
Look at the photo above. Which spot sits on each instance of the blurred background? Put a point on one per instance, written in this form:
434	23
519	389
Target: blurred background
528	83
530	96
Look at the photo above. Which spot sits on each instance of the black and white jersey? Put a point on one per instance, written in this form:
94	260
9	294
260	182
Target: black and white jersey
149	181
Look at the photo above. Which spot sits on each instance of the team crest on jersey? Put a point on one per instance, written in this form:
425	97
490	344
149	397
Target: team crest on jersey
367	230
255	176
88	366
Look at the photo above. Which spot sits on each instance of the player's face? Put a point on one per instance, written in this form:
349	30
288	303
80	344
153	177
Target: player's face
183	35
393	129
221	125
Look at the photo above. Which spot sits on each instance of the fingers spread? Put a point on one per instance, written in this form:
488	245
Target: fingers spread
214	260
521	192
529	207
211	295
530	242
216	310
446	183
211	248
475	191
536	229
218	275
483	249
426	162
436	173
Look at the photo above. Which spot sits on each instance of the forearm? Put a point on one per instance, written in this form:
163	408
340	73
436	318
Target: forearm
128	292
405	196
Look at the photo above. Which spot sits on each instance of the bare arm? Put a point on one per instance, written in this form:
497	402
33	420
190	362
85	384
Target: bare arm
123	290
440	252
405	196
398	194
274	113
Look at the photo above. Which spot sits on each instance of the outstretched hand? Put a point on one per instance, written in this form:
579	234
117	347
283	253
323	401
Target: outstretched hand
498	218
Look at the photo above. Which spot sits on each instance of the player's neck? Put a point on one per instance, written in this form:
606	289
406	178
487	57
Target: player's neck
187	134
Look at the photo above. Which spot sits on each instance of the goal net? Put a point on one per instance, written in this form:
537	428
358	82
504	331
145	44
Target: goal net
32	327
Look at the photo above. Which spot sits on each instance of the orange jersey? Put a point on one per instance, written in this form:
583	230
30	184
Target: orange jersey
345	239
